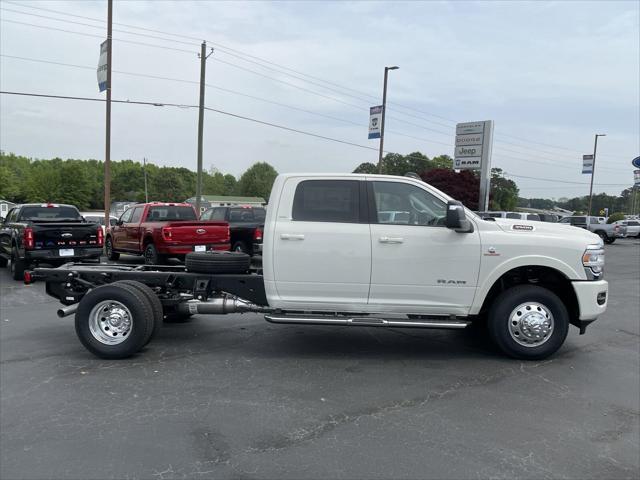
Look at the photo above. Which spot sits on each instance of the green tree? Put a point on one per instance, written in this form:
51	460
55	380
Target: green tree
504	192
257	180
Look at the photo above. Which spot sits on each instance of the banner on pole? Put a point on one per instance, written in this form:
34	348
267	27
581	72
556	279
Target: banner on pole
587	164
375	121
102	66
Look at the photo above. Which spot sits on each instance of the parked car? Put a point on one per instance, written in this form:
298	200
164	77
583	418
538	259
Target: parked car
47	233
329	259
246	224
162	230
513	215
607	232
633	227
98	217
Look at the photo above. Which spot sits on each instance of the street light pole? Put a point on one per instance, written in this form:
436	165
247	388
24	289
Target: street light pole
107	148
593	169
384	114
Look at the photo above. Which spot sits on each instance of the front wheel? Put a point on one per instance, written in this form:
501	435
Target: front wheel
108	246
528	322
609	240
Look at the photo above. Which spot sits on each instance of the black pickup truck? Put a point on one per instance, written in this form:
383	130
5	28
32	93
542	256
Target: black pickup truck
47	233
246	225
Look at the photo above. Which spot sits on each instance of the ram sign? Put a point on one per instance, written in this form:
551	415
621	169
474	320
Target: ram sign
473	145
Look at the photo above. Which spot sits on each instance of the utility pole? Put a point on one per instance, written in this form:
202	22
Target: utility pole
384	114
144	169
593	169
203	65
107	150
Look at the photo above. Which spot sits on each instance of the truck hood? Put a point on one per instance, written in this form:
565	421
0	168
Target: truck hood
559	230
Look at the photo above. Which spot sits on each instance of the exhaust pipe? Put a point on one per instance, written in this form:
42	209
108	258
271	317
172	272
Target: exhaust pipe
219	306
66	311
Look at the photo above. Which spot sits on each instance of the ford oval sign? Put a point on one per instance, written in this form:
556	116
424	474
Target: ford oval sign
636	162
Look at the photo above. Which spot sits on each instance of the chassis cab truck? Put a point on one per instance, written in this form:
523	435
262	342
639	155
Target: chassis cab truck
361	250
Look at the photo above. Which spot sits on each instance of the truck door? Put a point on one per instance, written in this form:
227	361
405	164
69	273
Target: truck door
119	232
322	243
133	229
419	265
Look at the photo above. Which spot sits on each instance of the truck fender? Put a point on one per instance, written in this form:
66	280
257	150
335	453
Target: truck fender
525	261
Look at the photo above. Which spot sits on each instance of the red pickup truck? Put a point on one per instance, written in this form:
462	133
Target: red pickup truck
162	230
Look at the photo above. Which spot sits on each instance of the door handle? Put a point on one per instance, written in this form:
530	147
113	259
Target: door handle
391	240
290	236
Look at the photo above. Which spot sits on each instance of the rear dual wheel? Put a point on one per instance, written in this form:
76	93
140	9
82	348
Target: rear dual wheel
115	321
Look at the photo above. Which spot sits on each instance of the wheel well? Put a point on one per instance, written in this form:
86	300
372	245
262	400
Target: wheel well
147	240
545	277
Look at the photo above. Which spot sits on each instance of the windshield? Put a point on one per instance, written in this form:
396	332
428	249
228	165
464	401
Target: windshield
174	213
50	214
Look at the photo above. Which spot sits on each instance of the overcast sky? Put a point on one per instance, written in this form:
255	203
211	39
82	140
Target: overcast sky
554	73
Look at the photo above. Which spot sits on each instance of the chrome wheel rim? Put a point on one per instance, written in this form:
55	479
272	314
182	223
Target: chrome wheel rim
108	247
148	256
531	324
110	322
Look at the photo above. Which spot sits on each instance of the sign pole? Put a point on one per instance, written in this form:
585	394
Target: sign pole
485	171
107	150
203	66
593	170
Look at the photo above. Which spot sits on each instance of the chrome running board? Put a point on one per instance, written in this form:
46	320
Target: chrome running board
366	321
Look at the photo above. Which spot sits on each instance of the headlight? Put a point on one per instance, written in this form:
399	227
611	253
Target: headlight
593	261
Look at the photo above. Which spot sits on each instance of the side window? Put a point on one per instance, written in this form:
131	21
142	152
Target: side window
403	204
533	216
10	215
327	201
137	215
206	215
513	215
126	216
566	220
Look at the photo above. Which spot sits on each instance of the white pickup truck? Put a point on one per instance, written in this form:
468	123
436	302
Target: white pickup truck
361	250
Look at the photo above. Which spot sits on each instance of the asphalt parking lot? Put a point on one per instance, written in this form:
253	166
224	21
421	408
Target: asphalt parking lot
236	397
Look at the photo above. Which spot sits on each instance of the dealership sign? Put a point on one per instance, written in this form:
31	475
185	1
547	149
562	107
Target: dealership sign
587	164
375	121
473	145
102	66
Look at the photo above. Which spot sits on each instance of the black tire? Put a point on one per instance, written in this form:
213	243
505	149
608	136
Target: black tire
17	265
500	318
154	301
217	262
603	235
609	240
151	255
3	262
240	247
108	247
142	320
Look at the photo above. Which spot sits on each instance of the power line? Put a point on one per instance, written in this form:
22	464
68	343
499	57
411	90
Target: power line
222	112
528	160
261	61
562	181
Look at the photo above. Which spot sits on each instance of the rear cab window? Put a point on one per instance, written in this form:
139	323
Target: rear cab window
336	201
50	213
164	213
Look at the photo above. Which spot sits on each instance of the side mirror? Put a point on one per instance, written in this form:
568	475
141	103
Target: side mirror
456	218
119	223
